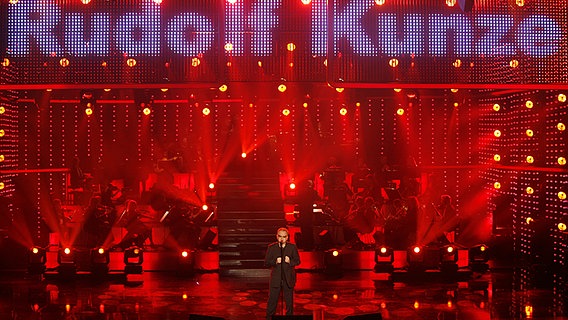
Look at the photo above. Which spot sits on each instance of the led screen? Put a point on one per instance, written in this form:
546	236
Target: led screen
368	41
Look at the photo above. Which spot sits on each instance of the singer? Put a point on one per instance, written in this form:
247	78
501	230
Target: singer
281	257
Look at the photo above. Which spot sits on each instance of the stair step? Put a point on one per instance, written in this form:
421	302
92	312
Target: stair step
242	263
246	273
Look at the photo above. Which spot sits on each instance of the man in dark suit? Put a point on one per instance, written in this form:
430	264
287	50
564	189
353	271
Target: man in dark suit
282	257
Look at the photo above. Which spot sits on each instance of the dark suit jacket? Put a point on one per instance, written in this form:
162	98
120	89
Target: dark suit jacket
283	269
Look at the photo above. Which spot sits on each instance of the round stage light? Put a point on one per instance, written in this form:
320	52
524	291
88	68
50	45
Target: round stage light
514	63
282	88
561	161
101	250
88	111
184	253
340	90
2	158
397	90
286	112
393	62
529	104
520	3
206	111
131	62
2	185
195	62
497	133
561	126
529	220
530	159
457	63
529	133
2	133
343	111
204	207
497	157
562	226
562	97
291	46
416	249
306	2
211	186
5	62
2	110
450	3
64	62
496	107
67	251
562	195
335	253
400	111
228	47
147	111
243	155
530	190
379	2
497	185
223	88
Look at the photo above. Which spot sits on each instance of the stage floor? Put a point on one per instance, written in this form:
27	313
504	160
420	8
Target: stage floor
164	295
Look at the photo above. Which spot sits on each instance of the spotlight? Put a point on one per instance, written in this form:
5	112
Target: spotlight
146	111
36	261
333	262
478	257
212	186
133	259
66	261
100	258
186	262
64	62
449	259
393	62
243	155
415	259
292	185
384	257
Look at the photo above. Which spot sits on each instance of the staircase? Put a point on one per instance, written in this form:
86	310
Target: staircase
249	211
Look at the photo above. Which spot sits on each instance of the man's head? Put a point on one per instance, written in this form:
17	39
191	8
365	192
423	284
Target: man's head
282	235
